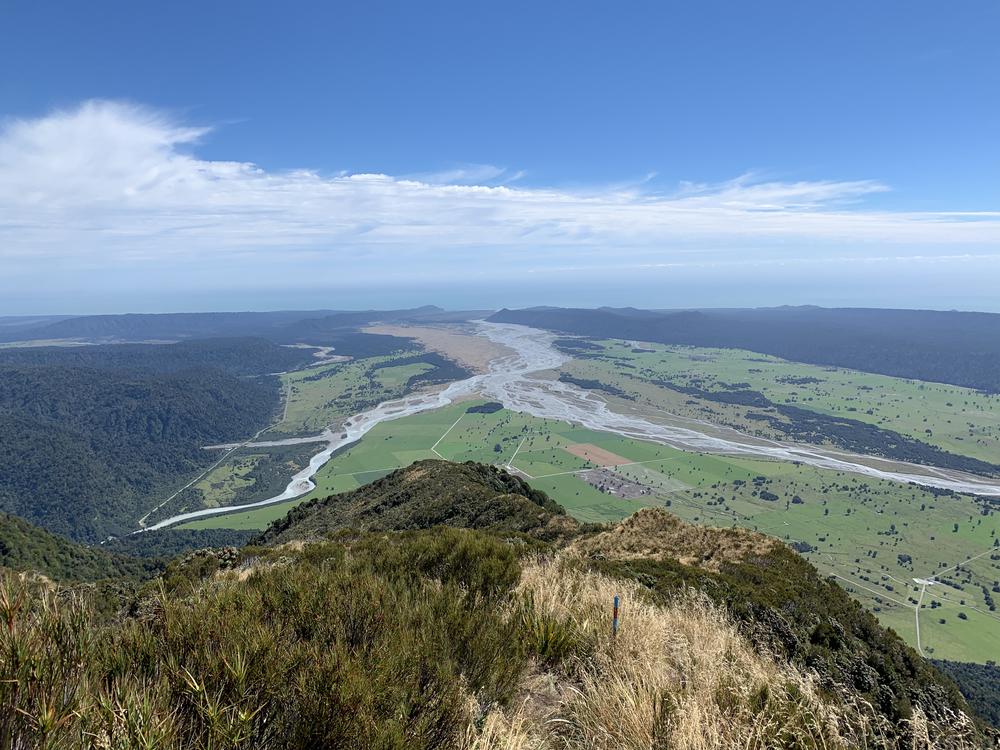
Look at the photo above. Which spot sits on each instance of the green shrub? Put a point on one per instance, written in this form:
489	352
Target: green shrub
368	642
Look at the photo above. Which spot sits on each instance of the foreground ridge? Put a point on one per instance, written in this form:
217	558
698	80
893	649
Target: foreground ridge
450	605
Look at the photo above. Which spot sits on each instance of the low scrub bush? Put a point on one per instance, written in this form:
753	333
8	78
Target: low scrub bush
433	639
388	642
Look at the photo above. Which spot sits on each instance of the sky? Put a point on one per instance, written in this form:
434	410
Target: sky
250	155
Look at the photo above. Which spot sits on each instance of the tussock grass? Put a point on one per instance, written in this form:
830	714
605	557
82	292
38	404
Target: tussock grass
678	676
433	639
385	643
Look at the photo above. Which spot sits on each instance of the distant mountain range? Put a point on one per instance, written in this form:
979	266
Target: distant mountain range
960	348
285	326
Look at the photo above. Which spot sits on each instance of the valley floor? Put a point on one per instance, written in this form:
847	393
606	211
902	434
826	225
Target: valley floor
877	537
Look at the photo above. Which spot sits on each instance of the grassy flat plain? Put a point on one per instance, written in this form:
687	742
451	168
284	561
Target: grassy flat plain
876	536
958	420
221	485
242	476
318	396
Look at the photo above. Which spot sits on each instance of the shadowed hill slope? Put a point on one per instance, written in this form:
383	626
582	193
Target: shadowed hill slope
426	494
25	547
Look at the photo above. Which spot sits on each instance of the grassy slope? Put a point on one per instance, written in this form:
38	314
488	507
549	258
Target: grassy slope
451	637
846	519
772	591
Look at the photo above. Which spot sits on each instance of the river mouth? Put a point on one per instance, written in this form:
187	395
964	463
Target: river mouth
518	381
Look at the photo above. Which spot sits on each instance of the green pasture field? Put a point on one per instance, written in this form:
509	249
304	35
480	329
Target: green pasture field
958	420
243	476
220	485
875	536
318	396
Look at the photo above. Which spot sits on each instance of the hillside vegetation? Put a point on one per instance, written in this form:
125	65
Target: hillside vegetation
979	683
24	547
441	637
426	494
82	450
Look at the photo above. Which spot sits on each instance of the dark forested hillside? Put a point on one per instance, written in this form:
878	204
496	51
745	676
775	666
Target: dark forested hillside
979	683
26	547
81	449
167	326
947	347
285	326
237	356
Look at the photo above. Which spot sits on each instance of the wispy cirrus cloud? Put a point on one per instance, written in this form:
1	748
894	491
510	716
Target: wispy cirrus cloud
109	185
470	174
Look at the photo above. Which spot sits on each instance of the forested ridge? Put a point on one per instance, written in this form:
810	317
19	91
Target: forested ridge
82	448
25	547
237	356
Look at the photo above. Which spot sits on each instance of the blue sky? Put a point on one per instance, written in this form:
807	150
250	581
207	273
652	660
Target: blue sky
258	155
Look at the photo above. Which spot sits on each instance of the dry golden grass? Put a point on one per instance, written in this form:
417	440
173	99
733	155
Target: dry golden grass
434	660
654	533
678	676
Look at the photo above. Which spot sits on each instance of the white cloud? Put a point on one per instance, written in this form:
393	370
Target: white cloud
110	186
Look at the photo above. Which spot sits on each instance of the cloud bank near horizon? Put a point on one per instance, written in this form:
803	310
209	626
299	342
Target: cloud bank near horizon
111	191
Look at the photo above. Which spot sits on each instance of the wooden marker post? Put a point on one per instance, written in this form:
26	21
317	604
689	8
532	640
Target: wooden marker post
614	618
